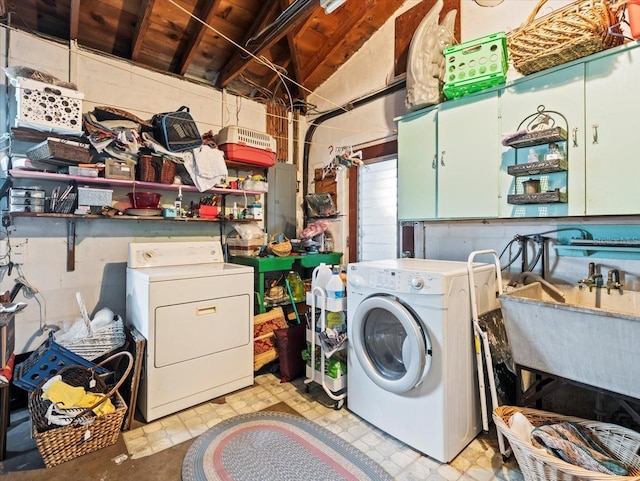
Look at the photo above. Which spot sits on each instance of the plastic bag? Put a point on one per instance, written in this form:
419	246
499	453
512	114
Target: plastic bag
250	230
13	73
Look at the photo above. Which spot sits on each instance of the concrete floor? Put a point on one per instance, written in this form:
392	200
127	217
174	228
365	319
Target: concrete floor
155	450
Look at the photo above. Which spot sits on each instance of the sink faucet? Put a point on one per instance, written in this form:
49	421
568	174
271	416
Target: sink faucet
594	279
613	280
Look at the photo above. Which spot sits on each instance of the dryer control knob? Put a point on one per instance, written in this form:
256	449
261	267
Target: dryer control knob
417	282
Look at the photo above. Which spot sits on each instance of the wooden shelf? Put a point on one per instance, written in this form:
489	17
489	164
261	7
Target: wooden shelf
32	174
118	217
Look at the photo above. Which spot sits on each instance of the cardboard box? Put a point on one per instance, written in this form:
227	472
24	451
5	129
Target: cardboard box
119	169
244	247
7	337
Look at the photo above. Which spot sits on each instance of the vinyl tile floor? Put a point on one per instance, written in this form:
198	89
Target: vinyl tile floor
479	461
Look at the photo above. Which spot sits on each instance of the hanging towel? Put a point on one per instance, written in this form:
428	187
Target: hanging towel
206	167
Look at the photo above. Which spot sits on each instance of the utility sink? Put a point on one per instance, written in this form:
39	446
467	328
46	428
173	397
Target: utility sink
591	337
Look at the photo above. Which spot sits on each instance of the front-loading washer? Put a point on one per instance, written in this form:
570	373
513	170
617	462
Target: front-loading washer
411	359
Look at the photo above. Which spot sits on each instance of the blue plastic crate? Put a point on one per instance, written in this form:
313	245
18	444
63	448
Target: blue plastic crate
475	65
45	362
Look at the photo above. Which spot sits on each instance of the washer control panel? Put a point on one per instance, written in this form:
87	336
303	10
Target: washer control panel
399	281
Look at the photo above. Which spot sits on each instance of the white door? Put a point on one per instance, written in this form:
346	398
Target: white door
390	343
378	210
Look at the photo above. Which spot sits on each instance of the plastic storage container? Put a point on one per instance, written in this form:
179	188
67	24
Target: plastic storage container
475	65
247	146
47	107
45	362
633	8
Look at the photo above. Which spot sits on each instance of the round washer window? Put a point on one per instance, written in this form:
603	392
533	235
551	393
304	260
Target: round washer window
390	344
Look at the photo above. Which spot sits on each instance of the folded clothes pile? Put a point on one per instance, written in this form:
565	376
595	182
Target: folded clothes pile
114	132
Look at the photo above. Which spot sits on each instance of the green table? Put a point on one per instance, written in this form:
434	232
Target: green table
298	263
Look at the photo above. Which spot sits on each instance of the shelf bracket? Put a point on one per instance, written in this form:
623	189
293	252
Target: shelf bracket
71	245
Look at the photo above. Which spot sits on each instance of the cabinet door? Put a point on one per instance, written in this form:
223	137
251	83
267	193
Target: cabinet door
468	157
612	137
416	166
560	91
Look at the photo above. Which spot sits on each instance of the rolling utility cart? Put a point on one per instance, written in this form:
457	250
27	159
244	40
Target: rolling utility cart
324	369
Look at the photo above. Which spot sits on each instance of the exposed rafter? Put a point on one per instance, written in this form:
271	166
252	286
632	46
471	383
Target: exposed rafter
208	12
236	44
146	6
295	58
74	19
239	62
331	45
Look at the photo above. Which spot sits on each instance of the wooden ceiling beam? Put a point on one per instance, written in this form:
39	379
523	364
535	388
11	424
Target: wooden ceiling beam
332	44
293	51
301	9
207	14
146	7
74	19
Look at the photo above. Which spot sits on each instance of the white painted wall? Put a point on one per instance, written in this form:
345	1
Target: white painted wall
101	245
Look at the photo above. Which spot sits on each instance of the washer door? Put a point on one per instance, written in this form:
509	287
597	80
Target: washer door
390	344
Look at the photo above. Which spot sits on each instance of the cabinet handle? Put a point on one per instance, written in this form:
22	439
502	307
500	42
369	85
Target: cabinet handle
595	133
442	159
575	136
434	162
203	311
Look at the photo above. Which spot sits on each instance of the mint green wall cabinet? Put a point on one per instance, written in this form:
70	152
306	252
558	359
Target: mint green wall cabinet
468	157
613	134
416	166
560	91
448	160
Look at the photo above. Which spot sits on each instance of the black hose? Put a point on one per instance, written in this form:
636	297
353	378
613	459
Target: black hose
394	87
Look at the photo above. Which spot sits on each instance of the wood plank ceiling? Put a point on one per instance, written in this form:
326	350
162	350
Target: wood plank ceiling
202	39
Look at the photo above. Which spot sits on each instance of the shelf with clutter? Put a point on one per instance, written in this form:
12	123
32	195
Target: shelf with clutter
54	139
542	177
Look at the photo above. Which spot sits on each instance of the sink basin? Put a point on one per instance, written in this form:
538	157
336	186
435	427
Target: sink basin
592	337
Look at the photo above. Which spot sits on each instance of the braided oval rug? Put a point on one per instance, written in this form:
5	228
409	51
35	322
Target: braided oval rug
276	446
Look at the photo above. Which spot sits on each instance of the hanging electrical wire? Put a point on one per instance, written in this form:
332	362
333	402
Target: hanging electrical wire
266	64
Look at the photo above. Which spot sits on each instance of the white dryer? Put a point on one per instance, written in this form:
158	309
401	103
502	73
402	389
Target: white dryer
196	313
411	363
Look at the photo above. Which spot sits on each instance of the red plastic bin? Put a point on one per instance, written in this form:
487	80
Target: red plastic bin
248	155
633	7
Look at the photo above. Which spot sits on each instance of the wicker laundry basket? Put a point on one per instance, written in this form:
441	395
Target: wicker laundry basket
98	342
579	29
86	432
537	465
